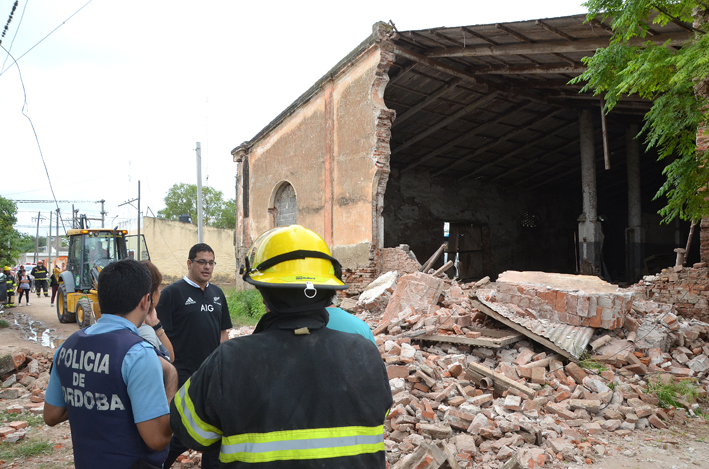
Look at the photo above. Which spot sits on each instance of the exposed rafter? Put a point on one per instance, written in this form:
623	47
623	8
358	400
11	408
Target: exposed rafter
467	109
560	47
425	102
510	154
463	138
501	139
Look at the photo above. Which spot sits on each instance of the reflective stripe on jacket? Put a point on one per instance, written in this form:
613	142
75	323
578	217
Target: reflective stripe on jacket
280	400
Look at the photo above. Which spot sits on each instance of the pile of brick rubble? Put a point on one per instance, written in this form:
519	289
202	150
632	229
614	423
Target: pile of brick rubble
522	405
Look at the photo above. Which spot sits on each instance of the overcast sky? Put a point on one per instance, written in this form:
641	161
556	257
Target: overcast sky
123	90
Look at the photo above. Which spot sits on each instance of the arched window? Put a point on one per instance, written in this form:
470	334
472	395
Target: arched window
286	206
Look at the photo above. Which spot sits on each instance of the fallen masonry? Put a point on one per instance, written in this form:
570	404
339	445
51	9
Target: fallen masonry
513	403
529	403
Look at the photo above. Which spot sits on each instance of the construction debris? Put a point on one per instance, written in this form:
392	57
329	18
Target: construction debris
462	400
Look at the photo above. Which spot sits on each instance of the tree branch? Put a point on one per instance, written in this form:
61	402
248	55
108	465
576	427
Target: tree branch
677	21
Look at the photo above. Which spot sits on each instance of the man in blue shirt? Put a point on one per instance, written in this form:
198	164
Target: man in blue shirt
341	320
110	384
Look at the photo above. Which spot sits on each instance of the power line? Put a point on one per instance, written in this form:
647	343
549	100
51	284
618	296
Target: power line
39	147
45	37
16	31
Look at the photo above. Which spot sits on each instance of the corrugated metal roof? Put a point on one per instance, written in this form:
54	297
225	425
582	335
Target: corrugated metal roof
573	339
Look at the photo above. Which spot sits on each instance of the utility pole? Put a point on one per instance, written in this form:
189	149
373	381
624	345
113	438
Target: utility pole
139	258
36	238
200	234
49	243
103	213
59	243
131	202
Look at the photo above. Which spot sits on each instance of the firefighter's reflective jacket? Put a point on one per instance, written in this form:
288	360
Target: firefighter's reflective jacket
296	395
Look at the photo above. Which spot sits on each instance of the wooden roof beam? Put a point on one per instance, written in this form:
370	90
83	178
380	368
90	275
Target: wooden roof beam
518	149
560	47
502	139
545	154
462	138
425	102
467	109
465	75
553	30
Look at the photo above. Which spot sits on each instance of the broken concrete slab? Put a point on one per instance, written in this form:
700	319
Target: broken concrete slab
577	300
376	296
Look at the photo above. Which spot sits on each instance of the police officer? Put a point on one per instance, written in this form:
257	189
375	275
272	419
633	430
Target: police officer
110	384
40	278
294	394
10	286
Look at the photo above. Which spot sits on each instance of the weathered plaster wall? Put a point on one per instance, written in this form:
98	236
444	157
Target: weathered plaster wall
169	243
416	206
334	151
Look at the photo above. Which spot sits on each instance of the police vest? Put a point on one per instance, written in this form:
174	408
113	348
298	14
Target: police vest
103	431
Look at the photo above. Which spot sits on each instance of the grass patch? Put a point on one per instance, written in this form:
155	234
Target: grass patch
32	420
589	364
245	307
674	394
24	449
4	324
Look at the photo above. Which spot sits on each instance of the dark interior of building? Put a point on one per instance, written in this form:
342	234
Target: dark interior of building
485	151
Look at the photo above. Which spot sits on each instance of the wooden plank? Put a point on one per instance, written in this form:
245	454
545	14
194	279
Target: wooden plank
562	46
488	342
499	379
509	323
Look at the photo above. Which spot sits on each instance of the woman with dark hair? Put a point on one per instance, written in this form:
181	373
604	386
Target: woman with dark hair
23	285
152	330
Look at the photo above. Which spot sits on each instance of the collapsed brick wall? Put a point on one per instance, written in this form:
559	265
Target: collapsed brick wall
381	261
687	290
400	259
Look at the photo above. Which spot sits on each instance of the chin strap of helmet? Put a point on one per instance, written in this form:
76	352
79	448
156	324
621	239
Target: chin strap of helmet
293	255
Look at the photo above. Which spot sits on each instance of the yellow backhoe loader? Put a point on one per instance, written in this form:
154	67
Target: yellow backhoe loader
90	250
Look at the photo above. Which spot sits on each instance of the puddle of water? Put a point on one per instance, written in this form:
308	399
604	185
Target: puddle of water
35	331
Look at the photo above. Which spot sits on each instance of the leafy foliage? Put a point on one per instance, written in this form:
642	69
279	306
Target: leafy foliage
245	304
10	238
671	394
669	77
216	212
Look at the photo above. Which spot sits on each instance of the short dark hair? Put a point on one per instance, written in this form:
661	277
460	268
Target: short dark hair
197	248
122	285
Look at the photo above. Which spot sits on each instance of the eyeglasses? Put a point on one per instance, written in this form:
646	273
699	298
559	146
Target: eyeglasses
202	262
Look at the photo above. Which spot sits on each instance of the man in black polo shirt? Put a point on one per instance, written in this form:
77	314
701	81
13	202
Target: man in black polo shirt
195	316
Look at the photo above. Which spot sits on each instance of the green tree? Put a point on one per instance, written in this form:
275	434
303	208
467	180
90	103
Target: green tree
182	198
669	77
10	238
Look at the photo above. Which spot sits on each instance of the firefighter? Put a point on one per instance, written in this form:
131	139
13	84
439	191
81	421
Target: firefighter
40	278
294	394
10	286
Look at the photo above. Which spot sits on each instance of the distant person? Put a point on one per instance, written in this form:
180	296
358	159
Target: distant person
40	278
109	382
24	283
152	330
195	317
10	286
54	283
